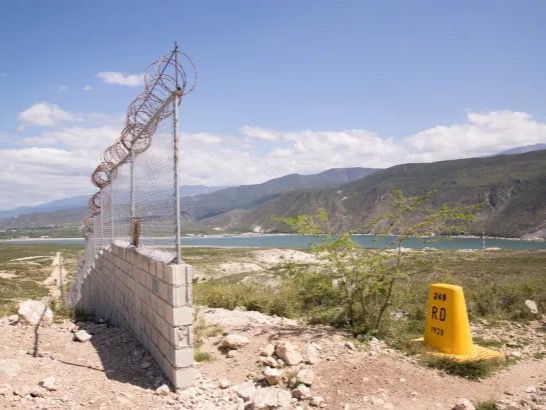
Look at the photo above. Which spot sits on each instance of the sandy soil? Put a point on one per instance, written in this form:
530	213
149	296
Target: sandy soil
107	372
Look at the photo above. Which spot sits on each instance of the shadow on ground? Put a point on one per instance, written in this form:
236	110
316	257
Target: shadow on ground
123	357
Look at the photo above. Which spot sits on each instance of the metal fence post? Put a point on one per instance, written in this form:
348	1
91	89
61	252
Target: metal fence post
132	184
176	185
112	209
102	203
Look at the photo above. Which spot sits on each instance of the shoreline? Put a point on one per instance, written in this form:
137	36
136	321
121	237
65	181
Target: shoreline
258	235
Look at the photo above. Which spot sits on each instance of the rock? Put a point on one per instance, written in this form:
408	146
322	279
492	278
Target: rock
234	341
301	392
268	361
9	368
224	383
245	390
145	365
230	354
311	355
49	384
306	376
37	393
350	345
531	306
82	336
34	312
272	376
287	352
267	350
272	398
21	390
463	404
318	401
13	319
163	390
531	389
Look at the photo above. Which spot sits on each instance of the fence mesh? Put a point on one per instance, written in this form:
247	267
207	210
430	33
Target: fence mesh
137	177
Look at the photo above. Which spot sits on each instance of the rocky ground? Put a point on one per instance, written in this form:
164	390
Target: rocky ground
256	361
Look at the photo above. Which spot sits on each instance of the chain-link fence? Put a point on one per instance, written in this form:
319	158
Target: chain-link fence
139	202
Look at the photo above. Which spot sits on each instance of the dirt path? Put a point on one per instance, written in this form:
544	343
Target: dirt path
58	275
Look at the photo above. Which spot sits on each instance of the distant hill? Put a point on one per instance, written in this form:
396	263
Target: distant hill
199	201
513	188
523	150
249	196
80	201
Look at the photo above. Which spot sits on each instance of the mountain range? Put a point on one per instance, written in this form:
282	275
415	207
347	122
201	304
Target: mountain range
511	186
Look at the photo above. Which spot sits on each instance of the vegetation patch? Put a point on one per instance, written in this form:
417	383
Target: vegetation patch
471	369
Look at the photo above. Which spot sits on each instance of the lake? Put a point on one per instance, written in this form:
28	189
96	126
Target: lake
301	241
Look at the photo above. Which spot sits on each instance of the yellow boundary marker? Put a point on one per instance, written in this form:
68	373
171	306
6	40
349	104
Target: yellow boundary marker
447	330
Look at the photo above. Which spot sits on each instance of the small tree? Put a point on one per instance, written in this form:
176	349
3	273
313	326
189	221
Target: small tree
365	278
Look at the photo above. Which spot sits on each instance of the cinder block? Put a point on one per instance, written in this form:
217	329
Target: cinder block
180	295
183	378
177	274
179	316
177	357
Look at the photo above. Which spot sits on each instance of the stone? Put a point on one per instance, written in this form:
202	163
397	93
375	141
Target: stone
306	376
34	312
288	353
301	392
267	350
531	306
145	365
49	383
268	361
311	355
13	319
531	389
224	383
350	345
37	393
230	354
234	341
272	398
463	404
9	368
82	336
272	376
163	390
245	390
318	401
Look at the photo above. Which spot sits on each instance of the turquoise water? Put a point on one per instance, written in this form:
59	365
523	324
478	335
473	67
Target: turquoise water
299	241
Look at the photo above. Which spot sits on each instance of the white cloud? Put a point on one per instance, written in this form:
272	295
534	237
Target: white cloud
260	133
114	77
62	88
310	151
46	115
87	88
203	137
57	163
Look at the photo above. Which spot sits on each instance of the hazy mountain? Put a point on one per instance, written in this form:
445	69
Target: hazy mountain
249	196
198	200
523	150
65	203
81	201
512	187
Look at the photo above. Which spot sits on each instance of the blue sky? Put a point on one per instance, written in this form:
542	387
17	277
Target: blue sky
279	82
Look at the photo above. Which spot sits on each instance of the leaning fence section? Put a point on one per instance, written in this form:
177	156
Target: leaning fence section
138	201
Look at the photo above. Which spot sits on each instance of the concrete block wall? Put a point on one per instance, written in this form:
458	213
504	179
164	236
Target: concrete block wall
142	292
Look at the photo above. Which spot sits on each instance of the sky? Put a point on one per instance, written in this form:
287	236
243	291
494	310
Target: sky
283	86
